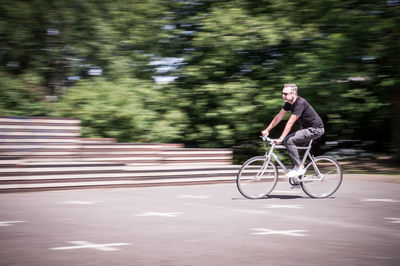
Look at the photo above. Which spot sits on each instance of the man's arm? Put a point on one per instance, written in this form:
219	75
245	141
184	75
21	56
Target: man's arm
278	118
288	127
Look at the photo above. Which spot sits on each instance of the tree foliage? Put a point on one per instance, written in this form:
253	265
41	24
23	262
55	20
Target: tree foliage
234	57
18	98
126	109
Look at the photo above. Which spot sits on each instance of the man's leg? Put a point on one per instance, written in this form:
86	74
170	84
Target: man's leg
300	137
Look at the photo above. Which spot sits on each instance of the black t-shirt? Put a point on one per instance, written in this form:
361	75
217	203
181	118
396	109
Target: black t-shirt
308	116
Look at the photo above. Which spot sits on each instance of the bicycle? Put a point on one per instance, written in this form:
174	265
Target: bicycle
258	176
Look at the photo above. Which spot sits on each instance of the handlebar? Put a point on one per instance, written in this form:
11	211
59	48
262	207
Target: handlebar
272	142
265	138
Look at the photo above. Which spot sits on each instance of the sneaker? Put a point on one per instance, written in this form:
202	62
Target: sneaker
292	173
296	172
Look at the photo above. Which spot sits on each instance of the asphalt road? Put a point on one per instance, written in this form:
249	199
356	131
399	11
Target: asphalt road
202	225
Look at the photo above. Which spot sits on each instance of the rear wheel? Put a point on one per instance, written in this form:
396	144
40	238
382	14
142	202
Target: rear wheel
256	179
322	178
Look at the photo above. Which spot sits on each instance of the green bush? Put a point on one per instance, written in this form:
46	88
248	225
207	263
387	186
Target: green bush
126	109
16	99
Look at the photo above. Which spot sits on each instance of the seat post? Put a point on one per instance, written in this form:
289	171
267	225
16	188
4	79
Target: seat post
307	152
309	145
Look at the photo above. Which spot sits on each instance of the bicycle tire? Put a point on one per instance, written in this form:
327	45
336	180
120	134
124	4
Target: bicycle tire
254	181
326	184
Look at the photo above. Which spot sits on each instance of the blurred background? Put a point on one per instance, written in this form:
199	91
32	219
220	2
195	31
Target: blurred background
206	73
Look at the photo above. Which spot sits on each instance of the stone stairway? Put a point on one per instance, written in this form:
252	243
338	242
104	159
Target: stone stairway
41	153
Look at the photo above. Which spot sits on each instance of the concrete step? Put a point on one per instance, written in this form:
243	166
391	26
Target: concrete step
40	178
123	152
104	175
48	153
109	171
11	188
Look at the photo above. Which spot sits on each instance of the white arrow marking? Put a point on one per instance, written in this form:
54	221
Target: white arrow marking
275	206
263	231
381	200
85	244
393	220
192	197
162	214
9	223
81	202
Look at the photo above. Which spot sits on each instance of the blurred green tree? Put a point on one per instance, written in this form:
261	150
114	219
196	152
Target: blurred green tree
18	99
125	109
233	58
336	51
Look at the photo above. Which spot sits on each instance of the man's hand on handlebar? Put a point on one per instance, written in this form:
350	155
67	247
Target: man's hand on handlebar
265	133
276	141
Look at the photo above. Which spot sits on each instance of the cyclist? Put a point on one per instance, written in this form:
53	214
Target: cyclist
311	126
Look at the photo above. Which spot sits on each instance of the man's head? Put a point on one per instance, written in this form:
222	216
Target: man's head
289	93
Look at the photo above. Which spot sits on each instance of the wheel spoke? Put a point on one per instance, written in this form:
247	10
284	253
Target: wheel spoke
256	179
327	182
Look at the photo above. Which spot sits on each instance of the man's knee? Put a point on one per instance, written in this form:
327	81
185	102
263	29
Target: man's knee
289	141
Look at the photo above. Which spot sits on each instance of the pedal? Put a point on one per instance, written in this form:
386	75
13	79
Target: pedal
293	182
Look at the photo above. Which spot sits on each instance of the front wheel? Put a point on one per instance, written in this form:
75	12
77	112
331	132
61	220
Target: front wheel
256	179
322	178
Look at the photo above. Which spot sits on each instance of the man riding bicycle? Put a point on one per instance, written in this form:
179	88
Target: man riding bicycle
311	126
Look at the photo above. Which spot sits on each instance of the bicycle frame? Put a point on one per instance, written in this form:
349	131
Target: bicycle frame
259	175
271	153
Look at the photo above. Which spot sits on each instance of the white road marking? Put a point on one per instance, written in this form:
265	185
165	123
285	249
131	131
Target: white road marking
393	220
380	200
192	197
162	214
9	223
85	244
264	231
80	202
275	206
